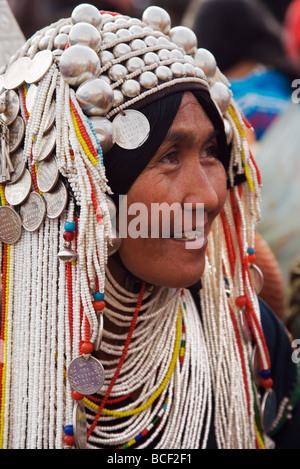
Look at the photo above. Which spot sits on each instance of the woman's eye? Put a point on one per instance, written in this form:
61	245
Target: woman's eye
210	151
170	158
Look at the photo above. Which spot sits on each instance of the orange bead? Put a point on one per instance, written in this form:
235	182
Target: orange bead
69	440
87	348
241	301
266	383
77	396
251	258
99	305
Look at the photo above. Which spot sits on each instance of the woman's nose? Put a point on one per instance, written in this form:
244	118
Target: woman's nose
199	188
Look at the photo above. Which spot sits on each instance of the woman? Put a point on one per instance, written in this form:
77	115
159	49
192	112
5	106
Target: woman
146	324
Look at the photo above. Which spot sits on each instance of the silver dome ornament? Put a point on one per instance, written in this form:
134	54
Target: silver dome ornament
111	207
109	38
123	33
85	34
157	18
105	57
204	59
104	131
228	131
199	73
148	80
88	14
131	88
118	98
67	255
95	96
114	244
137	44
164	54
121	49
185	38
43	43
79	63
117	72
65	29
164	73
151	41
176	54
110	26
134	63
221	94
190	70
151	58
178	69
121	21
60	41
135	29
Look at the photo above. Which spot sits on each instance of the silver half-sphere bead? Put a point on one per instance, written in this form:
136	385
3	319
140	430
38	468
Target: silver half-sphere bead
114	245
151	41
104	131
79	63
163	73
137	44
221	94
121	49
190	70
148	80
106	56
67	255
228	130
85	34
123	33
131	88
185	38
88	14
204	59
157	18
95	96
60	41
135	29
164	54
178	69
117	72
65	29
134	63
111	207
109	38
151	58
118	98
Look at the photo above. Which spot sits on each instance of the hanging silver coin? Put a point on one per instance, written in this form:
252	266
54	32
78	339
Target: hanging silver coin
257	278
15	74
19	164
86	375
39	66
47	175
268	409
80	425
30	97
46	147
16	134
12	107
131	129
51	118
33	212
18	192
10	225
56	200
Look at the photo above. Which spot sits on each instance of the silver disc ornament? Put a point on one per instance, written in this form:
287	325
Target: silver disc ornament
10	225
86	375
47	174
56	200
46	147
12	107
19	164
16	134
268	409
33	212
18	192
80	425
39	66
15	74
131	129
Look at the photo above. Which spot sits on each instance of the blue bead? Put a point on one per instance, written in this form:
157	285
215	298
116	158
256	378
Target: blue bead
70	226
68	429
265	374
98	296
251	251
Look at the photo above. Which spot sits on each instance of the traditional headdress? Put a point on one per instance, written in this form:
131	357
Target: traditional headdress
70	94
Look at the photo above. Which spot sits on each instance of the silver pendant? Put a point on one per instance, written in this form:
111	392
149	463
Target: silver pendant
33	212
131	129
80	425
268	409
12	107
86	375
10	225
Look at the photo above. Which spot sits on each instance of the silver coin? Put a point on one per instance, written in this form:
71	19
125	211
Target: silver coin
56	200
18	192
51	118
30	97
257	278
47	174
80	425
12	106
268	409
19	164
16	134
86	375
15	74
39	66
33	212
46	147
131	129
10	225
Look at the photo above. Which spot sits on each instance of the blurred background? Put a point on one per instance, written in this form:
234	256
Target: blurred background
257	45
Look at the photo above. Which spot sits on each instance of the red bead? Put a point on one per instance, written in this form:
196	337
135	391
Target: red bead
69	236
266	383
87	348
77	396
69	440
251	258
241	301
99	305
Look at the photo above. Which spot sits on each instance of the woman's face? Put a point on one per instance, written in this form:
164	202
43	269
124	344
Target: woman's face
186	172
